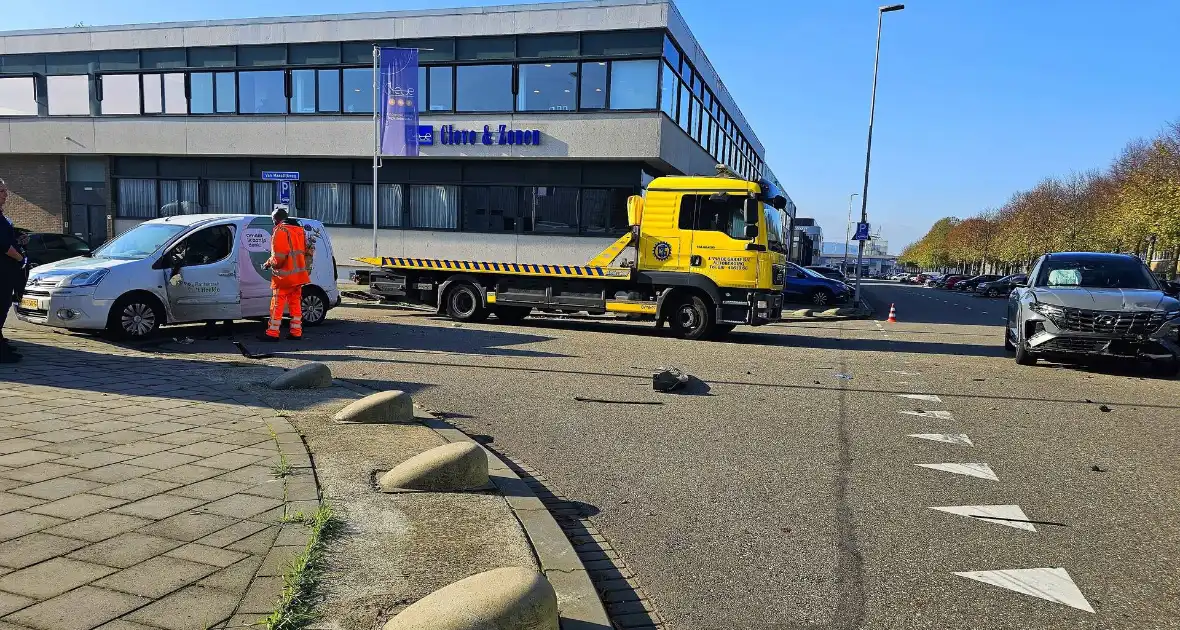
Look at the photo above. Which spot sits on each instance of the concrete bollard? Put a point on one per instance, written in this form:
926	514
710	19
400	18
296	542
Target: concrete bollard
380	408
513	598
308	376
455	466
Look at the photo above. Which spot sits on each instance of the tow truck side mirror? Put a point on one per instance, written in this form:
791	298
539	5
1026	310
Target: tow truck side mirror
751	215
751	230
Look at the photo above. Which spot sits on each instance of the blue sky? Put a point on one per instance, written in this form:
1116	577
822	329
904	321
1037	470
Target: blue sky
976	100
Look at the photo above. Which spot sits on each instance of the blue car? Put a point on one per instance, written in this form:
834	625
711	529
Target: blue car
805	285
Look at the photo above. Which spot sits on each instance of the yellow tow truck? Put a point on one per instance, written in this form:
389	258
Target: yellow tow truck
706	253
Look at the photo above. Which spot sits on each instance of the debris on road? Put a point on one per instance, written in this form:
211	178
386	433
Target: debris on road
1103	408
360	295
669	379
185	340
618	402
249	355
844	377
1097	468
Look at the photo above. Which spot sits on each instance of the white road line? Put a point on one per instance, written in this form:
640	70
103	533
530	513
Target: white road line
1049	583
941	415
950	438
925	397
983	471
1010	515
902	373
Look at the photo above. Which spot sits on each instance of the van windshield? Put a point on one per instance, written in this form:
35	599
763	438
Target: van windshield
139	242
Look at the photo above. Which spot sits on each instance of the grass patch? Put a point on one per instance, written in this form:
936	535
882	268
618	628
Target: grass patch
296	606
283	468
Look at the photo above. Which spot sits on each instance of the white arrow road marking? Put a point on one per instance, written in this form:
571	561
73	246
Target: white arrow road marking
902	373
925	397
1012	513
941	415
1051	583
950	438
983	471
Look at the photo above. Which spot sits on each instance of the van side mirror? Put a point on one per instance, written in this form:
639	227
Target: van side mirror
751	230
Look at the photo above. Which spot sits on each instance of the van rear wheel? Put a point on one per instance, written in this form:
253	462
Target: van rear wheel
314	304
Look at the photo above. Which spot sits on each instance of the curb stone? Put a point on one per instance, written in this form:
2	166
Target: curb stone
580	607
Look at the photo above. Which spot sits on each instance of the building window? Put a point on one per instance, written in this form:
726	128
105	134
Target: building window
164	58
358	91
489	209
331	204
323	53
120	93
69	63
548	87
69	95
136	199
668	86
434	207
695	132
225	96
228	197
484	48
220	57
685	104
484	89
175	102
620	43
118	60
201	85
442	92
389	205
328	89
545	46
264	197
604	211
549	209
275	55
18	96
633	84
303	92
262	92
179	197
593	85
671	53
431	49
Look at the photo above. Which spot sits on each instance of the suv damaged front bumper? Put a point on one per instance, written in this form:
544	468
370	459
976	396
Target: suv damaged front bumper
1045	337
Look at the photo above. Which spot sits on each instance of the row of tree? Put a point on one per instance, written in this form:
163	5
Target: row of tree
1133	206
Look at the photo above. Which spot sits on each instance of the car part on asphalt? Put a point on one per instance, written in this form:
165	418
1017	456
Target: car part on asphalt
669	379
618	402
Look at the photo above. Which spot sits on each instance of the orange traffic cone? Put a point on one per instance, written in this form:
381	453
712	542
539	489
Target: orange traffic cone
892	314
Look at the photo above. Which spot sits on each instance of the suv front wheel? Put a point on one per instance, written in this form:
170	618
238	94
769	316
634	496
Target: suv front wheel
1023	355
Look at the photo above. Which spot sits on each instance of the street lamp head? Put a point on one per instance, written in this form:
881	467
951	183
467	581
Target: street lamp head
892	7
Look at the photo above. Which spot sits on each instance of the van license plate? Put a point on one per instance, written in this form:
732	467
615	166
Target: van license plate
29	303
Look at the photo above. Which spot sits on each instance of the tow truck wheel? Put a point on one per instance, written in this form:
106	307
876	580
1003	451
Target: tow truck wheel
512	314
465	303
693	319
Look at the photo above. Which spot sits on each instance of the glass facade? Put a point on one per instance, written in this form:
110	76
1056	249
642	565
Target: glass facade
638	70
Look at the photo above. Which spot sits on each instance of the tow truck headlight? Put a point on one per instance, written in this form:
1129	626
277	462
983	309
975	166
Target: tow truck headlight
86	278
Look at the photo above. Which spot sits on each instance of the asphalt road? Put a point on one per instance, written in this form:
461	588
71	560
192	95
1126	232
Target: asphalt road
789	494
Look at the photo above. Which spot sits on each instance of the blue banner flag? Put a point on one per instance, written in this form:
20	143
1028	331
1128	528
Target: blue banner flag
398	125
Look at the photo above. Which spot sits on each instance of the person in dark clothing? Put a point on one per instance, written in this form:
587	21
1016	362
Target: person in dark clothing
11	262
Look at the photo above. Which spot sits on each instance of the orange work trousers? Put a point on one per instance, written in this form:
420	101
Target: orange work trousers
281	299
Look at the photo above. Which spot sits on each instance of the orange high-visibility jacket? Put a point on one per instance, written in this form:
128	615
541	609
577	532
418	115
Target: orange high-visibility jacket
288	260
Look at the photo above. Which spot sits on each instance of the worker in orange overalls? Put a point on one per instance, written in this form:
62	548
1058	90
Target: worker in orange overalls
288	268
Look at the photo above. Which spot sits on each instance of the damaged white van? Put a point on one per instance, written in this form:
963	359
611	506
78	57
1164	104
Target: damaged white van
186	268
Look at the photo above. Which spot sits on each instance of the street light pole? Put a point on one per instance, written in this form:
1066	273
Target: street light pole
864	196
847	228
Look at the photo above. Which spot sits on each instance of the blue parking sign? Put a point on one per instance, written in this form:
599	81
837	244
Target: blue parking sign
862	232
284	191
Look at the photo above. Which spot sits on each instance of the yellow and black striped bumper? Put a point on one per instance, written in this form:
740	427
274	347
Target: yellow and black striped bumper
517	269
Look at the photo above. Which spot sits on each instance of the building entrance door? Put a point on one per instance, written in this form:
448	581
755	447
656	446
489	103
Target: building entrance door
89	223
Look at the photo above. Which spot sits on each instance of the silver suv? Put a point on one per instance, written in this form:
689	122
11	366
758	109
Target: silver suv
1091	304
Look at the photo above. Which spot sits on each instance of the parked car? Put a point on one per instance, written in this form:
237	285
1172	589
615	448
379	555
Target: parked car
829	272
1091	304
1001	287
187	268
970	283
951	281
805	285
44	248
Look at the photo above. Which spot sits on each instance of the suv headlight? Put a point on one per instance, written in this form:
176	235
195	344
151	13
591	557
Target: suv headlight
85	279
1048	310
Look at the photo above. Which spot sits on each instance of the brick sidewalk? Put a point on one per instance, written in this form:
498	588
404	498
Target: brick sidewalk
139	491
